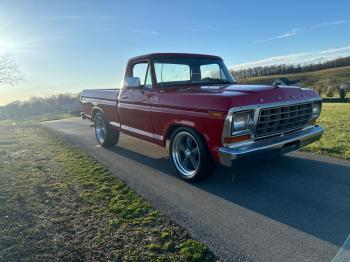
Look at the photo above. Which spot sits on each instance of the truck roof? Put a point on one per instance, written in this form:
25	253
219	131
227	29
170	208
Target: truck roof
180	55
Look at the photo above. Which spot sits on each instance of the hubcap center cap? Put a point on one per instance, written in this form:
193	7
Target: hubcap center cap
187	152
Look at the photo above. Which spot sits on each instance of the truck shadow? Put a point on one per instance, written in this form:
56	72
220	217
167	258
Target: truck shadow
310	195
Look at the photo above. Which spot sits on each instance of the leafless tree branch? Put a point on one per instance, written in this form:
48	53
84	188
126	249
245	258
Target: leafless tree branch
9	71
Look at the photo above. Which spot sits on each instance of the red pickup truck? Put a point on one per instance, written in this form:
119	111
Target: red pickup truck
193	102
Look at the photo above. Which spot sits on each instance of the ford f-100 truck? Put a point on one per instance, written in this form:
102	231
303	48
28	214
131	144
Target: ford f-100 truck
192	101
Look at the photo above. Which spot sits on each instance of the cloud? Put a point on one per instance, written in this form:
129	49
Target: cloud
19	45
61	18
339	22
150	32
57	37
335	50
18	49
298	58
104	29
291	33
103	17
79	17
294	31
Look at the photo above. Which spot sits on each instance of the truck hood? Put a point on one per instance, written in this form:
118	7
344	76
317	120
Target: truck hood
238	89
224	97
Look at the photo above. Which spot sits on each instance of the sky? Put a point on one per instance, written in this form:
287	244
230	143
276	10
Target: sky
66	46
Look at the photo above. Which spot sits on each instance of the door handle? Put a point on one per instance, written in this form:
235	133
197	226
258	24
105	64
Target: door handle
124	97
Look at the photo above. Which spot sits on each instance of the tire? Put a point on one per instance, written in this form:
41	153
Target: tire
106	136
189	155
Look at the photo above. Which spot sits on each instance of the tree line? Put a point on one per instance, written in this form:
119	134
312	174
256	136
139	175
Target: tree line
288	68
38	106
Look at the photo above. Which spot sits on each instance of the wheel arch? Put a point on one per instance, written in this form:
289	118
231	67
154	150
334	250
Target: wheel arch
211	146
173	127
96	110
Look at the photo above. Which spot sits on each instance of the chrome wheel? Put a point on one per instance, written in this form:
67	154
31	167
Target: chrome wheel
100	129
185	154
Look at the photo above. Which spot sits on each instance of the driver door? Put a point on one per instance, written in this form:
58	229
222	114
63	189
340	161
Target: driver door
134	103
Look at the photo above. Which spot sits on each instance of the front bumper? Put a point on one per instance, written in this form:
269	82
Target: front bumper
282	144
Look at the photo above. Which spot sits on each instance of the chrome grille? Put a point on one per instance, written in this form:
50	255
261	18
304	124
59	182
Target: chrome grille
277	120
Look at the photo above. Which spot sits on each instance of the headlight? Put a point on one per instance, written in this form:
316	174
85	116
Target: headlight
242	122
316	110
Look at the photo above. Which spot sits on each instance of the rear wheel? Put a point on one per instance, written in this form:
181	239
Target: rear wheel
189	155
106	136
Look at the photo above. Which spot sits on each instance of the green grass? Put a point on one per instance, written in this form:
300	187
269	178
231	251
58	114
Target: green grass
335	142
337	76
57	203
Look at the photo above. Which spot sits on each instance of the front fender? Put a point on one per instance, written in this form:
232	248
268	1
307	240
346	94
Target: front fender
210	129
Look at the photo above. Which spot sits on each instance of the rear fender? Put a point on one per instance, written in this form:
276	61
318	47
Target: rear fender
95	110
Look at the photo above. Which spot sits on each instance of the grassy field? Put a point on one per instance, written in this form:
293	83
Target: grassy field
337	76
57	203
335	142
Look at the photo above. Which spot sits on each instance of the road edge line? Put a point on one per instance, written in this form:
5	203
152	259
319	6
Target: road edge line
343	254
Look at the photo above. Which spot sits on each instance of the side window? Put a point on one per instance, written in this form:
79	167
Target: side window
140	70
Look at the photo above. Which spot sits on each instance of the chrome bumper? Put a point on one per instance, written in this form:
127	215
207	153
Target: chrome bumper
282	144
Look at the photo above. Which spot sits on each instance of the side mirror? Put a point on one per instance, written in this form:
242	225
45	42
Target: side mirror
132	82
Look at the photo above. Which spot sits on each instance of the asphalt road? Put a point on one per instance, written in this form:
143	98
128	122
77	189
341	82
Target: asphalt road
294	208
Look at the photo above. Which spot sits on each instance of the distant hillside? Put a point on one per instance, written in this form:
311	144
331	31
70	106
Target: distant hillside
277	69
337	76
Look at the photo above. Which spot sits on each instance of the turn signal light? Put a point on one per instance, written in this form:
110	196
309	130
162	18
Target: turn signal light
236	139
217	114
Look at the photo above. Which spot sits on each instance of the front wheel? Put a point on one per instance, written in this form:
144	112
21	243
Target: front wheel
106	136
189	155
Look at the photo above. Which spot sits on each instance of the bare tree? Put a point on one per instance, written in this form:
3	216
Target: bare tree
9	71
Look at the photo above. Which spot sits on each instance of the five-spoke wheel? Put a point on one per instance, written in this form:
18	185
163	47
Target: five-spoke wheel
189	155
185	152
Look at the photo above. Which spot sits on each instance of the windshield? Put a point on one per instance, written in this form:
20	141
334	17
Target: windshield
180	71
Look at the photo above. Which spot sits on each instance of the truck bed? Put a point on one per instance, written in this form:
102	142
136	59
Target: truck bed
103	99
100	94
